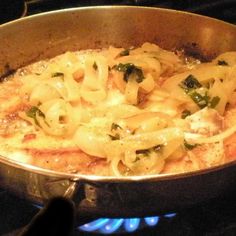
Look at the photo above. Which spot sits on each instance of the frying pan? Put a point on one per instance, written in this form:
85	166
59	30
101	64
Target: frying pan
46	35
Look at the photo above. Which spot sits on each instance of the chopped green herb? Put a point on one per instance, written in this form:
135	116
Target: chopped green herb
130	69
32	112
124	53
190	83
189	146
146	152
200	100
157	148
185	113
222	63
137	158
190	86
214	101
57	74
95	66
115	126
114	137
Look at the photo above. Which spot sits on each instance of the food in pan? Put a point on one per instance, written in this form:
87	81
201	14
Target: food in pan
119	112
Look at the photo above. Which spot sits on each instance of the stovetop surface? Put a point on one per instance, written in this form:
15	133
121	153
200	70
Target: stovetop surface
214	218
217	217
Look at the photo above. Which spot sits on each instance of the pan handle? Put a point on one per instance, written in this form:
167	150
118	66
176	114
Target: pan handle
75	191
63	187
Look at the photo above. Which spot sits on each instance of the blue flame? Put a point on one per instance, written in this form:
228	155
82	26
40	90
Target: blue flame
132	224
152	221
170	215
109	226
112	226
94	225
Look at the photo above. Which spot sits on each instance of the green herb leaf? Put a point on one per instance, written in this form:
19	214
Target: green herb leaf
201	101
189	146
32	112
185	113
124	53
222	63
157	148
57	74
115	126
190	83
130	69
214	101
146	152
95	66
114	137
190	86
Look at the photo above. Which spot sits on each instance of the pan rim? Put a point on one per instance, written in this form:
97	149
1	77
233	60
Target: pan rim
24	17
120	179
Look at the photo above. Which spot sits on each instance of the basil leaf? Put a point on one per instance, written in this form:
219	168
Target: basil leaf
124	53
185	113
114	137
201	101
32	112
95	66
146	152
190	83
115	126
189	146
190	86
214	101
222	63
57	74
130	69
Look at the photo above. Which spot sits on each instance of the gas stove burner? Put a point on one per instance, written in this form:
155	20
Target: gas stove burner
119	225
111	226
216	217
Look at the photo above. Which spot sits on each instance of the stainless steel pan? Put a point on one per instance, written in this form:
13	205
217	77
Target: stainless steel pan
46	35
